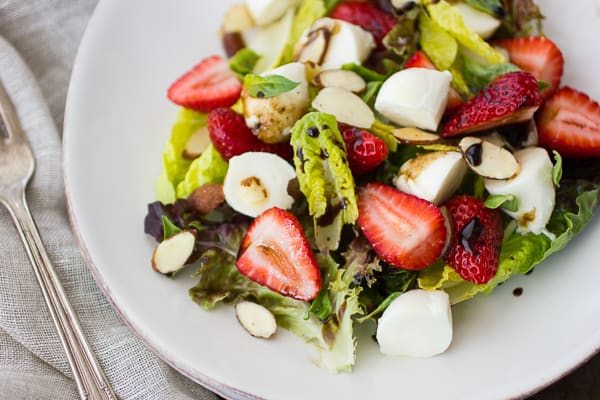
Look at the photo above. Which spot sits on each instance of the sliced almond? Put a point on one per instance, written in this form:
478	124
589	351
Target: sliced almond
345	106
348	80
196	144
207	197
315	47
487	159
172	253
415	136
237	19
256	319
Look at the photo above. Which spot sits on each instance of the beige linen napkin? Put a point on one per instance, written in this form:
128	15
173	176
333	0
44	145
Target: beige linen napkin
32	362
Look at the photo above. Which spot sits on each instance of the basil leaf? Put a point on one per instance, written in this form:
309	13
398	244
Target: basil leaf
243	62
479	76
543	85
367	74
491	7
557	169
321	306
169	228
508	202
268	86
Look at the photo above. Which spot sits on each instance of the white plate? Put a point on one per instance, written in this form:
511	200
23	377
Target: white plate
117	122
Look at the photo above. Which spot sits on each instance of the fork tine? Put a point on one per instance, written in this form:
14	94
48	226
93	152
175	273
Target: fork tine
9	127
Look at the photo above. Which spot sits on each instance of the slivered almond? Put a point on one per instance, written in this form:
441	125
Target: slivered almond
348	80
173	253
315	47
415	136
256	319
196	144
487	159
347	107
207	197
237	19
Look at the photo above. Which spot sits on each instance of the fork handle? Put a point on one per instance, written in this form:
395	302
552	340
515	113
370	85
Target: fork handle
89	378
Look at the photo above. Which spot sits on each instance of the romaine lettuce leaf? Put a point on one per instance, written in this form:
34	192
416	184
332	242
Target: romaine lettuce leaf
324	176
520	253
210	167
437	43
175	166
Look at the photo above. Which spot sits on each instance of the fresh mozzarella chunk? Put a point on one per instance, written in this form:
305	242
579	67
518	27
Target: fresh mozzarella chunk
416	324
257	181
347	43
415	97
272	118
432	176
533	187
266	11
481	23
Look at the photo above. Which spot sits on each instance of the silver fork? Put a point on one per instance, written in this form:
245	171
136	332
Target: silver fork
16	168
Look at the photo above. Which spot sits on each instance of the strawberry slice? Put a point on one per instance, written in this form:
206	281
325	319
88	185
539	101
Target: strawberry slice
231	137
478	231
420	60
569	122
276	253
368	16
537	55
511	98
365	150
209	85
404	230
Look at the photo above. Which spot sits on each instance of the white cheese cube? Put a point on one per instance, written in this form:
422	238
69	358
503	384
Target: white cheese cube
481	23
266	11
432	176
415	97
533	187
417	324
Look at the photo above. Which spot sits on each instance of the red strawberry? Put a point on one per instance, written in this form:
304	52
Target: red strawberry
275	253
569	122
510	98
368	16
365	151
538	55
230	135
209	85
478	232
420	60
404	230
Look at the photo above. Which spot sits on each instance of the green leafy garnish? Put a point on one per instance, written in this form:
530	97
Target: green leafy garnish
371	92
437	43
169	228
508	202
367	74
324	176
543	85
557	169
244	61
479	75
524	18
210	167
268	86
321	306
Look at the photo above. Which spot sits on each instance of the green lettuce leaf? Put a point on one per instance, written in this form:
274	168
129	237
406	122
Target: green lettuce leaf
324	176
478	75
309	12
244	61
437	43
524	18
210	167
491	7
449	19
520	253
175	166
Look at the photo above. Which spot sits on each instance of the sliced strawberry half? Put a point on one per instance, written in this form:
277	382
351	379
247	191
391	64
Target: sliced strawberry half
569	122
276	253
231	137
509	99
478	231
209	85
404	230
538	55
368	16
365	150
420	60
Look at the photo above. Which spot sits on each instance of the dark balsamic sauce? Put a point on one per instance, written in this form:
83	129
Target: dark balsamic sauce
473	154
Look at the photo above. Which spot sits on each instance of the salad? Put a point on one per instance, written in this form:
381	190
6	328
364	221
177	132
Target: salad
372	160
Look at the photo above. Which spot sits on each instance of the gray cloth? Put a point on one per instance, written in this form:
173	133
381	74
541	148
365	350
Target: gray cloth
32	364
